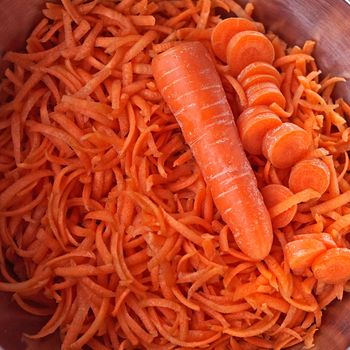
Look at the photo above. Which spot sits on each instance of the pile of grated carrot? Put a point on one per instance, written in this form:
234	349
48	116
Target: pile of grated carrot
106	223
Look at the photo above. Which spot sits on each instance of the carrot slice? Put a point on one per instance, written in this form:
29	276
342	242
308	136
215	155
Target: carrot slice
227	29
325	238
190	85
255	110
333	266
248	47
301	253
285	145
265	94
258	68
274	194
309	173
259	78
253	127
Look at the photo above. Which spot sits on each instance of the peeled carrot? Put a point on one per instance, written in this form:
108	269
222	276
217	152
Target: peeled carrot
301	253
333	266
309	173
248	47
225	30
265	93
285	145
253	127
188	81
258	68
274	194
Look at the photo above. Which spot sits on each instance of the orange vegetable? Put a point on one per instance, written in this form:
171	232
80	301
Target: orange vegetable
242	99
333	266
309	173
258	68
332	204
106	221
248	47
295	199
325	238
259	78
256	110
301	253
198	101
225	30
253	127
285	145
265	93
274	194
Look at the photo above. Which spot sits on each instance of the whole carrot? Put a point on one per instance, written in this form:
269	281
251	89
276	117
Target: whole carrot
189	83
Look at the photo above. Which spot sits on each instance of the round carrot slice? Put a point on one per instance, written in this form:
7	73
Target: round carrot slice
267	97
301	253
224	32
309	173
248	47
265	94
258	68
274	194
260	87
323	237
259	78
255	110
333	266
253	127
285	145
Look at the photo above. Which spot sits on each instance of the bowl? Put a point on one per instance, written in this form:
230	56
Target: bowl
295	21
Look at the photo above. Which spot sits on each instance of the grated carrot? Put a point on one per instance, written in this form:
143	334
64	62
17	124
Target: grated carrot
105	215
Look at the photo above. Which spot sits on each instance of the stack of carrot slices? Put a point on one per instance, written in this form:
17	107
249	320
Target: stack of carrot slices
249	55
261	84
106	224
